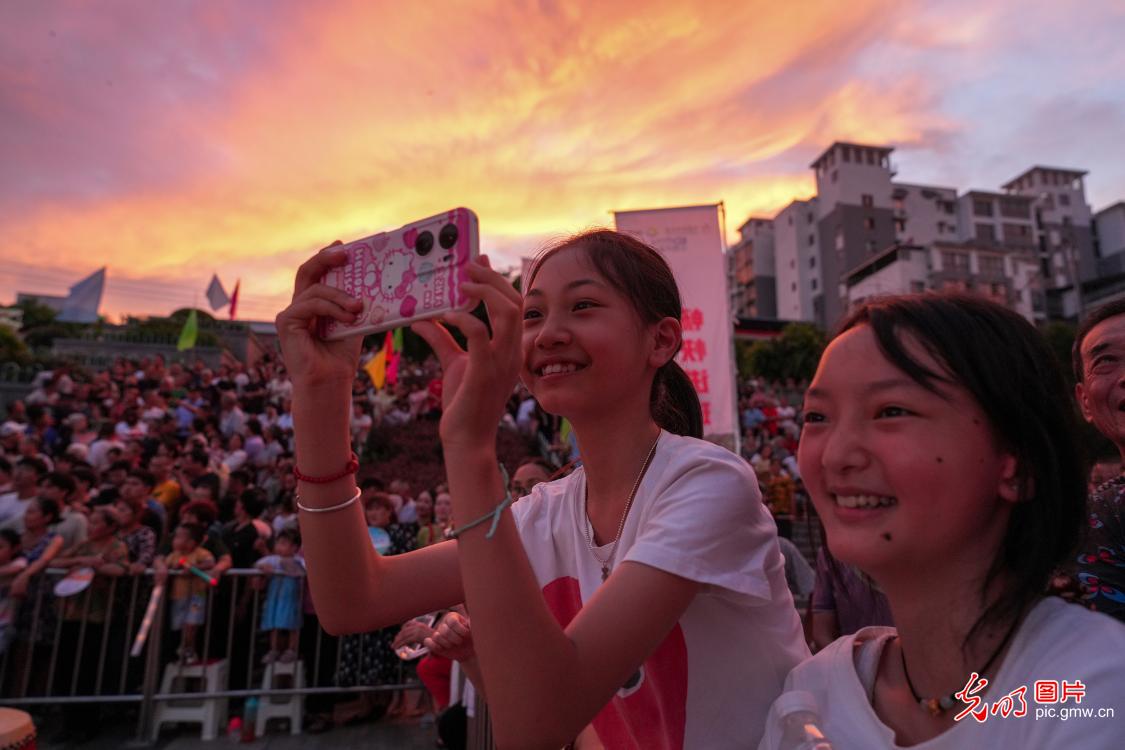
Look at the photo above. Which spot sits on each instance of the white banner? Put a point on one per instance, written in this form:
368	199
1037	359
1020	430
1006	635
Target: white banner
691	239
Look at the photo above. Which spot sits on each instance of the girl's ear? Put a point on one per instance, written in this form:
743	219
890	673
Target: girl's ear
1009	490
667	336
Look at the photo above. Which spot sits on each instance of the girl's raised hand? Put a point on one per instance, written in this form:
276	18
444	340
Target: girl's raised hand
476	384
310	360
453	639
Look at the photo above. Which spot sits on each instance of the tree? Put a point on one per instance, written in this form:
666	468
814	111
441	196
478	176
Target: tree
12	348
35	313
1060	338
169	328
793	354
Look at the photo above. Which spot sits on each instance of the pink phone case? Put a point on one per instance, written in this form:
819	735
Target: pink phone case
412	273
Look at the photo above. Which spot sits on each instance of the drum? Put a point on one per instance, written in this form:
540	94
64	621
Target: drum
16	730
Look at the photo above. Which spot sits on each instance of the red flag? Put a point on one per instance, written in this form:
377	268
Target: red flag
392	369
392	358
234	299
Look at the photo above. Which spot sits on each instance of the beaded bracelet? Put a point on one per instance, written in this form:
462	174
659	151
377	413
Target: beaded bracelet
494	514
351	467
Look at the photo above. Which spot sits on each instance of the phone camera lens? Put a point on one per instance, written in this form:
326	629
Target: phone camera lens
448	236
425	243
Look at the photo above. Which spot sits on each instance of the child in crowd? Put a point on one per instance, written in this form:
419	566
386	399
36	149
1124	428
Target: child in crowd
600	598
428	529
189	591
12	563
282	610
379	512
939	449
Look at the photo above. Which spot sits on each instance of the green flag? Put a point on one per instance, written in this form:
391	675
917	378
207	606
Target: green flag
190	332
398	340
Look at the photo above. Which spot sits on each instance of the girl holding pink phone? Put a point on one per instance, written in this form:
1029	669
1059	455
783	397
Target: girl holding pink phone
639	602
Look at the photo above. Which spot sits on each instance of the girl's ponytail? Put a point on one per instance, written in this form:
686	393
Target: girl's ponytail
674	402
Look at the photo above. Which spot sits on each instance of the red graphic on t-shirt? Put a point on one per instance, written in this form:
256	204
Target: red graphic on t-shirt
649	712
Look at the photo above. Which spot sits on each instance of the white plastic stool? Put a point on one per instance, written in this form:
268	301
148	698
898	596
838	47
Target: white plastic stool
209	712
290	707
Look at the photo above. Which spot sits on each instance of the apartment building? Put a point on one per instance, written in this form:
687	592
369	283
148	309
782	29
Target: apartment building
1109	224
752	270
1064	222
855	218
924	213
864	231
1008	277
798	260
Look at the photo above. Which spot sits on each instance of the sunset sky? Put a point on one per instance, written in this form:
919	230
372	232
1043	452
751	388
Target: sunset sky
169	140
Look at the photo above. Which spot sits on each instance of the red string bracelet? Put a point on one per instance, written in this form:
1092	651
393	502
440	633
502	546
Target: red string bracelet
350	468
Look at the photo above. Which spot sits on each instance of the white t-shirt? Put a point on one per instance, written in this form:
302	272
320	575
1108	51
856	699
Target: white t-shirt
698	514
1057	641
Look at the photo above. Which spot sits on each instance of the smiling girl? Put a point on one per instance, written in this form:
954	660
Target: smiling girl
641	601
939	451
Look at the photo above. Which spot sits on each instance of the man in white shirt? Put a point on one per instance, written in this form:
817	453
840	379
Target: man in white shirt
25	488
231	419
10	434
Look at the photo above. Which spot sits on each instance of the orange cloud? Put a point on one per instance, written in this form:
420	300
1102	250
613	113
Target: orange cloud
543	117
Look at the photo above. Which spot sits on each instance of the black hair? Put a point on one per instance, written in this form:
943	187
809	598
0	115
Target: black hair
241	475
642	276
124	466
1011	373
145	477
211	481
194	530
292	534
84	473
204	510
12	537
373	483
60	481
1103	313
37	465
536	461
5	465
49	508
108	515
253	502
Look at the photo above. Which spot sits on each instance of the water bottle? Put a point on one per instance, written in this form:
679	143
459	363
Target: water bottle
801	725
249	719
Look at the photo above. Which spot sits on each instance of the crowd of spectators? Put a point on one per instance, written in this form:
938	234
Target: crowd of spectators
147	466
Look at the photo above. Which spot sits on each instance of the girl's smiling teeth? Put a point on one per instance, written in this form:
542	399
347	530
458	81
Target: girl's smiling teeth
864	501
560	367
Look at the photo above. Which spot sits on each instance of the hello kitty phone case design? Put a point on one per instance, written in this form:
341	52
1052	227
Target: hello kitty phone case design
412	273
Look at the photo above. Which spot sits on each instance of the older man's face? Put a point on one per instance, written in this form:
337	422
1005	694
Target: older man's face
1101	394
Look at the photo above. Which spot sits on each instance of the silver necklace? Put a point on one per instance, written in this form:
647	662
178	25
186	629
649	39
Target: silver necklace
588	528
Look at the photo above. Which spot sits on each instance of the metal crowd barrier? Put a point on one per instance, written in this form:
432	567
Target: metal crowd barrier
50	660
